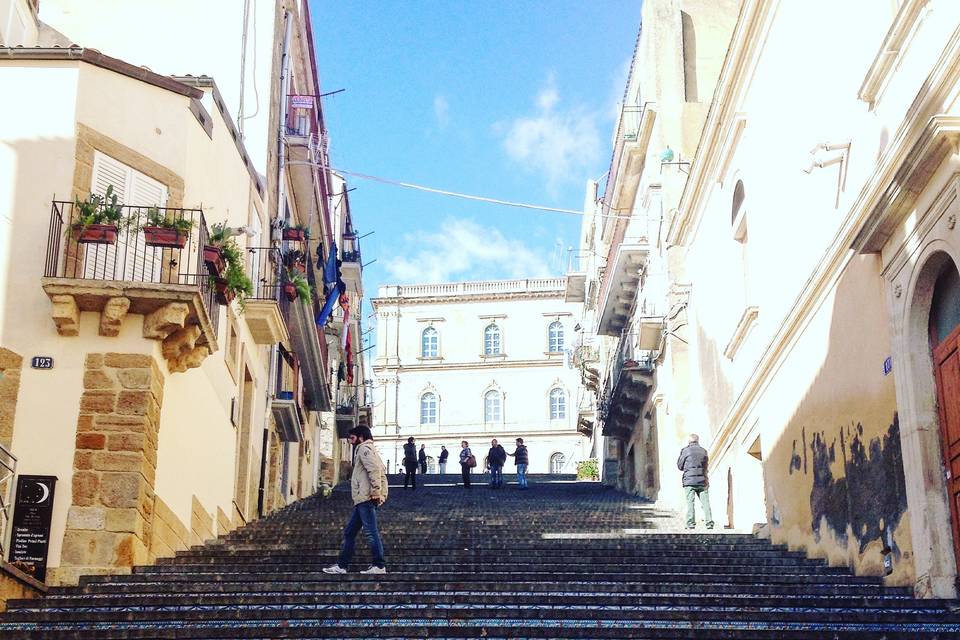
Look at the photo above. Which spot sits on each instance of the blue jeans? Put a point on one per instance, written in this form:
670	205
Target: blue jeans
496	476
699	491
364	516
522	475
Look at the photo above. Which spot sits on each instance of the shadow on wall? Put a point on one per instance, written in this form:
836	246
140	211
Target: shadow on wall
836	473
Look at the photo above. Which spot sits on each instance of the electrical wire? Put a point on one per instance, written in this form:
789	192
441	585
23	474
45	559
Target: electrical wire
455	194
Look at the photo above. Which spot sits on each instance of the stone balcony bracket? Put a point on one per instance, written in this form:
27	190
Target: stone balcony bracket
623	279
174	314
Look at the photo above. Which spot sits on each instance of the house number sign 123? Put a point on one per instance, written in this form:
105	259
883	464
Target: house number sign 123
41	362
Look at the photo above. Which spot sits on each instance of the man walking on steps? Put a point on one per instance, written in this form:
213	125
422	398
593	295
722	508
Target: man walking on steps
521	459
693	463
495	461
410	463
368	487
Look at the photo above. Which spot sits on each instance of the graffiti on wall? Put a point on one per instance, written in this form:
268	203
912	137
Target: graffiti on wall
871	496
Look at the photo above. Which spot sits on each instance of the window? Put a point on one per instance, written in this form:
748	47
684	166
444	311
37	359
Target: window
558	404
428	408
555	332
557	462
738	213
491	340
491	406
430	343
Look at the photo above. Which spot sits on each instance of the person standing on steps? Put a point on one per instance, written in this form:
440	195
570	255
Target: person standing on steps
368	487
410	463
521	459
693	463
496	458
467	462
422	459
444	454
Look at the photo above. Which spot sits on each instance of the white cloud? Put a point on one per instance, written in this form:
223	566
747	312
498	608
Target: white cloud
441	109
562	145
464	250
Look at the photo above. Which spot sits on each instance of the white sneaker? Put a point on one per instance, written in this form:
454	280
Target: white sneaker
334	569
372	570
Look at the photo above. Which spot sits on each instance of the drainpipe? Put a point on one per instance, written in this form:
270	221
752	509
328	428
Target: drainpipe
271	379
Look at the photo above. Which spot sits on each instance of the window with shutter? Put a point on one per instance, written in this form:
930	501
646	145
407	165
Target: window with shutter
130	258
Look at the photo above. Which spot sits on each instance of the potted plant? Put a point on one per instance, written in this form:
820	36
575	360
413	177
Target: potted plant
234	283
297	232
218	238
162	231
98	218
295	259
296	286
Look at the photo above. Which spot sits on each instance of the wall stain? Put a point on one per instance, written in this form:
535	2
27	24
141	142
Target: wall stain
872	495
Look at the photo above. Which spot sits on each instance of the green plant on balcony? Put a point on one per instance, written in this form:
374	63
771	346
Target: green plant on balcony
234	283
295	259
297	232
588	469
296	286
219	239
98	218
161	230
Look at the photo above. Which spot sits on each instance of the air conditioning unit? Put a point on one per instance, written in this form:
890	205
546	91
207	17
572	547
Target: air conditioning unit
650	333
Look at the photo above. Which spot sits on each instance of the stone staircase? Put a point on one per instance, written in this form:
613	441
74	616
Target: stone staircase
562	560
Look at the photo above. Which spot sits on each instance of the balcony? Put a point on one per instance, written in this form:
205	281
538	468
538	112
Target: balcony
262	310
630	144
309	343
115	271
576	289
348	414
628	385
351	267
622	278
287	405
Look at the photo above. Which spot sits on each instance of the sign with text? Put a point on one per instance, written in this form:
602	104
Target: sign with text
41	362
32	511
301	102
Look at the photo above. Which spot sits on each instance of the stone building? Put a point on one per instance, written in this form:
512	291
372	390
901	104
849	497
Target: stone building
812	283
476	361
169	416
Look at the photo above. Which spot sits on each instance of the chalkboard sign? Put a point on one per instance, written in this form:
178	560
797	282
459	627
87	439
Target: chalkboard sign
32	511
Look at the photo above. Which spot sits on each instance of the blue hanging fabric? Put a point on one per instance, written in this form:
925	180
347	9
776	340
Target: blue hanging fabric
327	309
330	268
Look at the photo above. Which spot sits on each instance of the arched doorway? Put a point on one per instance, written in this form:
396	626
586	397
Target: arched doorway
557	462
944	331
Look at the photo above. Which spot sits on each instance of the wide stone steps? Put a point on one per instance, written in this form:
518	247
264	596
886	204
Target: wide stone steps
562	560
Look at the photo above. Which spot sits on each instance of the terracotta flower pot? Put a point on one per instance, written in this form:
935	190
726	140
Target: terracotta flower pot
290	290
95	233
164	237
213	258
224	295
298	235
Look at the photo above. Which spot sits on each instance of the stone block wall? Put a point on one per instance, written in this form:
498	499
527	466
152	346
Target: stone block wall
110	521
10	365
201	523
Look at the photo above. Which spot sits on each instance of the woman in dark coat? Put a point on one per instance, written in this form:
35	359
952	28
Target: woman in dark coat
410	463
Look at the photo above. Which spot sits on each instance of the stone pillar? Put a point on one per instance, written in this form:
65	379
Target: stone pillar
109	525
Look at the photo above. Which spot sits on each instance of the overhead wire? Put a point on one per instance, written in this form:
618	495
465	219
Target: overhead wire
466	196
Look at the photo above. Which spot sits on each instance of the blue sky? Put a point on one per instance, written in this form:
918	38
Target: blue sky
506	99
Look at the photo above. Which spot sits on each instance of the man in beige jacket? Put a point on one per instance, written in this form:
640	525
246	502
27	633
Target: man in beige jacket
368	486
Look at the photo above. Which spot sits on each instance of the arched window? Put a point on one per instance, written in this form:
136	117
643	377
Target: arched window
430	343
558	404
491	406
491	340
945	308
428	408
738	213
557	462
555	333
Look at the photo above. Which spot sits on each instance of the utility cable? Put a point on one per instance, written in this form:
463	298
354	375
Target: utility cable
455	194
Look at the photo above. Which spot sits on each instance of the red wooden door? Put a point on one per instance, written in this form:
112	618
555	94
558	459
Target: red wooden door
946	359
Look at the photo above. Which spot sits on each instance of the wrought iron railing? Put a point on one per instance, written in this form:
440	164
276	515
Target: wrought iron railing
289	383
265	266
8	471
127	252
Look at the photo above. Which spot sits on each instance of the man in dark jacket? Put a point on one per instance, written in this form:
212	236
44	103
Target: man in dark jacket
410	463
693	463
496	458
444	454
522	459
422	459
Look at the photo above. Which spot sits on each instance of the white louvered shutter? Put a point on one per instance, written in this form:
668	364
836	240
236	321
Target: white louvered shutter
127	260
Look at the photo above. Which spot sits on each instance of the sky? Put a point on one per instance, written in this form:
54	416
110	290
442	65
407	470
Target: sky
508	99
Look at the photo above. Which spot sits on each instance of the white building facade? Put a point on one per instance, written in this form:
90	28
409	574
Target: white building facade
476	361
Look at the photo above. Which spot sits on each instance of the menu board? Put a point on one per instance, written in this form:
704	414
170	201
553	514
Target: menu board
30	537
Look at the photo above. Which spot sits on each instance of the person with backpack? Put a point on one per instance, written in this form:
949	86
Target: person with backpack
496	458
521	459
467	462
410	463
368	488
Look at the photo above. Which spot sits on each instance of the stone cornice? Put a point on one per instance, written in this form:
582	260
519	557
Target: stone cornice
462	366
746	44
898	160
447	299
891	48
